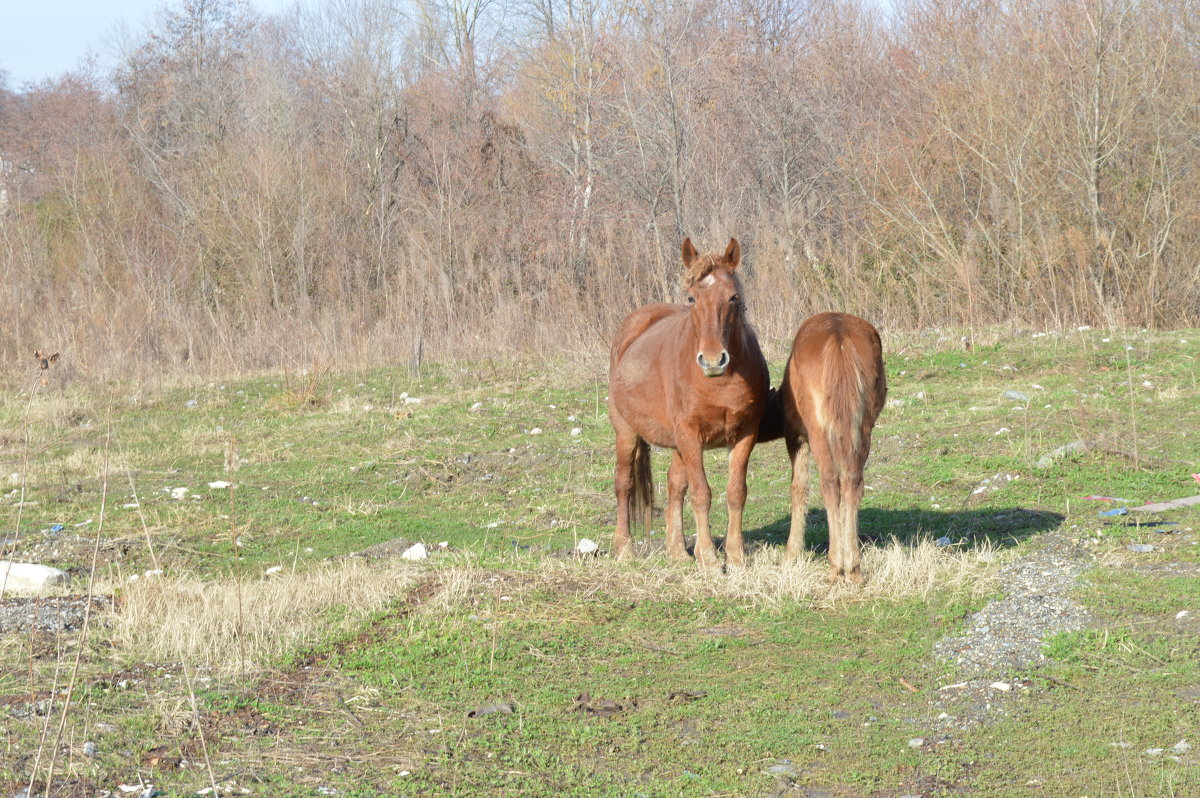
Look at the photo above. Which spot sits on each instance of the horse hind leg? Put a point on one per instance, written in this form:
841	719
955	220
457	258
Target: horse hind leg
677	485
851	552
831	492
623	484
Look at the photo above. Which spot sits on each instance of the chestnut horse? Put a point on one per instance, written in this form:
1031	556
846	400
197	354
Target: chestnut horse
833	389
689	378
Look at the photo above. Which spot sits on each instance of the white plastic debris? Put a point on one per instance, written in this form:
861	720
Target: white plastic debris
1179	616
535	431
415	552
476	407
178	493
586	546
1181	747
576	431
274	569
27	577
220	484
942	542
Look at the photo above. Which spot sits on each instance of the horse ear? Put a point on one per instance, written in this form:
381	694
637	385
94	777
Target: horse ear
689	252
733	253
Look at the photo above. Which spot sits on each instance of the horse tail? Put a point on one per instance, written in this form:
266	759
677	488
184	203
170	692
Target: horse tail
842	402
643	486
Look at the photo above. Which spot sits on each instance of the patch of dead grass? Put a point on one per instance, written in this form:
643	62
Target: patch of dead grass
231	629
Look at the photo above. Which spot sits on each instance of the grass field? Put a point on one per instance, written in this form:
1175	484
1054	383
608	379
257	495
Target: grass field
357	675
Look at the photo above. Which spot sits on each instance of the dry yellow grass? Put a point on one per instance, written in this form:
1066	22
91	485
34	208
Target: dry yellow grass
231	629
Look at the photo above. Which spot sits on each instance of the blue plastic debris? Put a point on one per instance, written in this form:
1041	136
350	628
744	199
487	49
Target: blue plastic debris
1115	511
56	528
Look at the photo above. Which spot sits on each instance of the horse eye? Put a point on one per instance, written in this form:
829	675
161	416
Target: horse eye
734	298
691	300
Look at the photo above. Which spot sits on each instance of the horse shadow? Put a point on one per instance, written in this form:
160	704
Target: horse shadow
1000	527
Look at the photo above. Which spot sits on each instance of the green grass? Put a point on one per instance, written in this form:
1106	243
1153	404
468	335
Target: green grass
332	464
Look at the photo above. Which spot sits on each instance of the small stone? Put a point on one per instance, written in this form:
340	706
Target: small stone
178	493
1155	751
535	431
576	431
475	408
916	742
415	552
1179	616
190	403
220	484
1003	687
1016	396
1181	747
89	748
274	569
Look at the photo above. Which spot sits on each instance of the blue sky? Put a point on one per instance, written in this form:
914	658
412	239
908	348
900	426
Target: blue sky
42	39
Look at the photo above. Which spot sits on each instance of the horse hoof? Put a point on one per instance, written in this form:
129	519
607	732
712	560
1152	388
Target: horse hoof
625	554
708	562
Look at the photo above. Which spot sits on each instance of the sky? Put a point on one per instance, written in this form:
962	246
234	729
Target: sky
42	39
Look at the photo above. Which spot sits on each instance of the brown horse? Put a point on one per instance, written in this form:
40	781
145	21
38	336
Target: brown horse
689	378
833	389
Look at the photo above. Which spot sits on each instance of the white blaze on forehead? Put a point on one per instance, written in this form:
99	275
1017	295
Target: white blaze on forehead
709	280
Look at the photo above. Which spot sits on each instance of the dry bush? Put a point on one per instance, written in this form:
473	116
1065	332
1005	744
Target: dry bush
355	185
230	627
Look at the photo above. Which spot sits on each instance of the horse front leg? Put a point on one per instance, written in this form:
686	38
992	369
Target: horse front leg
691	452
798	451
735	494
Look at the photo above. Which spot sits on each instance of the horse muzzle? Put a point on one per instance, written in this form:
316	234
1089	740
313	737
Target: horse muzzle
710	368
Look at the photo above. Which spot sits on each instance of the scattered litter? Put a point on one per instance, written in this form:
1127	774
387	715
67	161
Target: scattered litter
178	493
415	552
576	432
587	546
83	523
1171	505
492	709
274	569
90	749
1179	616
131	506
1181	747
1115	511
916	742
943	541
1003	687
220	484
1105	499
1155	751
475	408
190	403
1196	477
1141	548
783	767
535	431
1016	396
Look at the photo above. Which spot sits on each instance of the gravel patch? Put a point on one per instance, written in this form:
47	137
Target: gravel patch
47	613
1005	638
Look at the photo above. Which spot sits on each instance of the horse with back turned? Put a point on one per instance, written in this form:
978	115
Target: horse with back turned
687	377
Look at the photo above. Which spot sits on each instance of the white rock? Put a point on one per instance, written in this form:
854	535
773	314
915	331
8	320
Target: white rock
535	431
178	493
1155	751
153	573
476	407
1181	747
26	577
274	569
412	400
576	431
916	742
416	551
586	546
1003	687
1179	616
220	484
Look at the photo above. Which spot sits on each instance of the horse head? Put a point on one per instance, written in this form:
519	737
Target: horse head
714	295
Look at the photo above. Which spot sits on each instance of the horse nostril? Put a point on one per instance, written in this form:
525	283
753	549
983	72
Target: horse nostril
700	359
724	361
